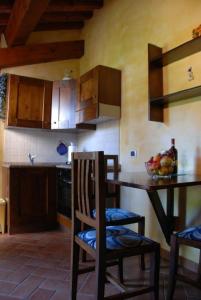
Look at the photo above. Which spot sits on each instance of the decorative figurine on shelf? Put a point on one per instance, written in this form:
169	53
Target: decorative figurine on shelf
196	32
190	74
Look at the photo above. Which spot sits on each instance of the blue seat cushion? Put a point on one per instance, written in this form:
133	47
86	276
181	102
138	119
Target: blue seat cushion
191	233
117	237
116	214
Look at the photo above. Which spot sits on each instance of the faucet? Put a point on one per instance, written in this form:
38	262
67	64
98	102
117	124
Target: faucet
31	158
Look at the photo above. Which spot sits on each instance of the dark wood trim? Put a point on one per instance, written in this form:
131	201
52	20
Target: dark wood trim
155	78
186	49
40	53
6	6
59	26
62	6
75	16
86	126
23	19
182	199
156	61
177	96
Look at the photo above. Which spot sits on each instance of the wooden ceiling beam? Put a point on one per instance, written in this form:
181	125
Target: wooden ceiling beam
76	16
6	6
40	53
2	28
62	6
59	26
4	19
23	19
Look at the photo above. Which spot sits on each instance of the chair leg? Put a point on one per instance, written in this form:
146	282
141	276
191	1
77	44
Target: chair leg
141	230
199	268
154	272
120	270
83	255
100	276
174	255
74	269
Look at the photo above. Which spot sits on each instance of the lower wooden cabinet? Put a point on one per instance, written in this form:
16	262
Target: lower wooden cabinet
31	194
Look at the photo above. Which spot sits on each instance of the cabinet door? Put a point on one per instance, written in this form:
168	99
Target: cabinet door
32	199
63	104
99	95
29	102
88	89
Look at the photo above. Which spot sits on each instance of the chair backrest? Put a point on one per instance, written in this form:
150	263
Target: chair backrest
115	160
112	190
88	189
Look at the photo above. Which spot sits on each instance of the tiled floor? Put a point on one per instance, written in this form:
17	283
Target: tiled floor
37	267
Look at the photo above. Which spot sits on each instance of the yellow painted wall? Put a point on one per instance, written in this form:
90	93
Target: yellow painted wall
118	36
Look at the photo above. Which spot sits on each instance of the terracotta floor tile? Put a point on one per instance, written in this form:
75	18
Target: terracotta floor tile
41	294
46	262
17	276
6	287
88	286
9	265
27	286
36	266
84	297
63	294
55	284
4	297
4	274
52	273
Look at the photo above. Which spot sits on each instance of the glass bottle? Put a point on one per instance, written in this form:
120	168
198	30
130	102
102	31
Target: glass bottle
174	153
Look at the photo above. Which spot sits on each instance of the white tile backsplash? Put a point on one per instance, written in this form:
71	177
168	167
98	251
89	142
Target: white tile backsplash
19	142
43	143
104	138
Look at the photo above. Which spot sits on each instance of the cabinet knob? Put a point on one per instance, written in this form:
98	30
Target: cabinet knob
55	122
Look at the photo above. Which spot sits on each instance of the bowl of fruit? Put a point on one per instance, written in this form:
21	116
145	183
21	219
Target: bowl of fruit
161	165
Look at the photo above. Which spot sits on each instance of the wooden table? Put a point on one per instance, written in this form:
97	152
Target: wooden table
143	181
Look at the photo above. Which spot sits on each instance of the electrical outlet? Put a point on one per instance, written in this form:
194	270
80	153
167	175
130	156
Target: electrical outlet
133	153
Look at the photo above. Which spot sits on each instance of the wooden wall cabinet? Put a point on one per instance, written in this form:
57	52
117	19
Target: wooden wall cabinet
31	194
63	104
29	102
156	61
99	95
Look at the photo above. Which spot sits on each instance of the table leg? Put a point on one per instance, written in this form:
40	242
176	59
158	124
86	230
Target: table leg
170	202
165	221
170	208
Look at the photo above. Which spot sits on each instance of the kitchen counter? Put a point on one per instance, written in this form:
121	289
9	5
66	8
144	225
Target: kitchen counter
35	165
45	164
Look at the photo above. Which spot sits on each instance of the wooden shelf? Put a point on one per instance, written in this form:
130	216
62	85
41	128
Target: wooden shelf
157	60
181	95
180	52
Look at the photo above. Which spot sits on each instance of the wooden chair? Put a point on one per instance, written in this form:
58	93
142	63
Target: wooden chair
104	243
190	237
113	213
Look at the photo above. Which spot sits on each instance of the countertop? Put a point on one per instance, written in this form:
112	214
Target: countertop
35	165
45	164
